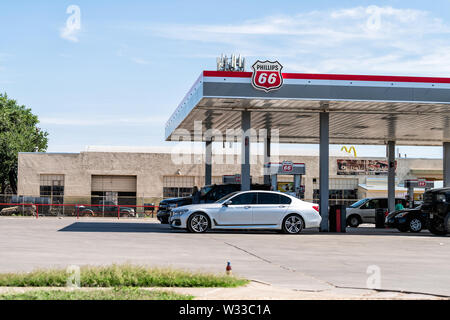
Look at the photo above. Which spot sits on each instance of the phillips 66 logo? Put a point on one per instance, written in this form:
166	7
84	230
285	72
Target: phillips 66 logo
287	166
267	75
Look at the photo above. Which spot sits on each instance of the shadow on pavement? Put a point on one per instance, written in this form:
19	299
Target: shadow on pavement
161	228
118	227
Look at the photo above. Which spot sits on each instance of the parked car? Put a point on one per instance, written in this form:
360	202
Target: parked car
28	210
249	210
166	206
363	211
208	194
436	203
405	220
105	208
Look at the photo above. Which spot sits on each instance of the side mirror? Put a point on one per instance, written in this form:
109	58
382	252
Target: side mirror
227	203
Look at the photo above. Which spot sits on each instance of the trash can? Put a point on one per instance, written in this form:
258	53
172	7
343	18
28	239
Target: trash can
380	217
337	218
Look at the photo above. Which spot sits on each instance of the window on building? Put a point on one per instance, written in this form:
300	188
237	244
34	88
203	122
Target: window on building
342	191
178	186
344	197
52	186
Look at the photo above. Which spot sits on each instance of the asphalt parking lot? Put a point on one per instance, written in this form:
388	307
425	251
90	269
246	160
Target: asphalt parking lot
311	261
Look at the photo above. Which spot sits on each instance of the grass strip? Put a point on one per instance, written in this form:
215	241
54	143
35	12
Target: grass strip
121	276
123	293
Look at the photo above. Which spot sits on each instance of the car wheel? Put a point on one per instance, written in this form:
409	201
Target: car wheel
353	221
293	224
198	223
437	227
415	225
403	228
87	213
164	221
125	215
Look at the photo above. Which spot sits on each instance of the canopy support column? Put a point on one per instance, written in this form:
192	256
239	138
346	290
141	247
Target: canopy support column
390	150
208	162
267	158
245	151
324	169
446	158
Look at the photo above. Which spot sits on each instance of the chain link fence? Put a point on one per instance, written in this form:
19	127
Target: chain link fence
95	206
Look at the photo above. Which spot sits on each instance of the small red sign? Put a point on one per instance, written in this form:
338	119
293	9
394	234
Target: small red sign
287	166
267	75
422	183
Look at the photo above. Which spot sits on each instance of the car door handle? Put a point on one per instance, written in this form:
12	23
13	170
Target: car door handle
282	206
247	207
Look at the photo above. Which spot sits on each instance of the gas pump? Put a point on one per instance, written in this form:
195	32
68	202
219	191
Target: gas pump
419	183
286	168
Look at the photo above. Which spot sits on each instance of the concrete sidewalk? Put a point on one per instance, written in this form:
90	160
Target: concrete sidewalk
260	291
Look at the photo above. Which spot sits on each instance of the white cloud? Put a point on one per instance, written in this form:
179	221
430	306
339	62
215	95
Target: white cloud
140	61
353	40
125	51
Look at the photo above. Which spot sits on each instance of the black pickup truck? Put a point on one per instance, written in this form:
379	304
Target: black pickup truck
166	205
208	194
436	203
105	208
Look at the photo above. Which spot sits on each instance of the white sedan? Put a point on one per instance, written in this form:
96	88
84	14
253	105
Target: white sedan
249	210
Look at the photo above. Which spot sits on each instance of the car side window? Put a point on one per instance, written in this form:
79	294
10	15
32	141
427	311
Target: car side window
285	200
369	204
268	198
244	198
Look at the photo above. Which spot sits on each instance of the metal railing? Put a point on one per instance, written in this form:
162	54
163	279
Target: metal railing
77	210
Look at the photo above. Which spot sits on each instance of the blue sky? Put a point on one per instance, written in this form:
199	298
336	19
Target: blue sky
107	83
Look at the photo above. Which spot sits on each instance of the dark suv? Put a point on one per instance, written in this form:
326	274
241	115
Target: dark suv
436	203
208	194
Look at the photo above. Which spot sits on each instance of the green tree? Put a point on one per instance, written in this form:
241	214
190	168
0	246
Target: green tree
18	133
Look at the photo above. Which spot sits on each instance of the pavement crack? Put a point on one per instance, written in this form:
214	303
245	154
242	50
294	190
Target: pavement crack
395	291
248	252
279	265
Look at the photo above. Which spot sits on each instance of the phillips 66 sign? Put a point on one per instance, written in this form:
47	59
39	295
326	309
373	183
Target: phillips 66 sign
267	75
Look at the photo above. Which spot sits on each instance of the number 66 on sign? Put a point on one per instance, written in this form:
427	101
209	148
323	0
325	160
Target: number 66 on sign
267	75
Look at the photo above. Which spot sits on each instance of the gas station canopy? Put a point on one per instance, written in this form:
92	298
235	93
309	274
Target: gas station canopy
363	109
318	108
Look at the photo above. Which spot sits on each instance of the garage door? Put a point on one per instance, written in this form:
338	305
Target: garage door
114	183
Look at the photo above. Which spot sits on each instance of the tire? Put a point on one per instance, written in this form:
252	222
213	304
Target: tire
436	226
353	221
164	221
415	225
124	215
198	223
293	224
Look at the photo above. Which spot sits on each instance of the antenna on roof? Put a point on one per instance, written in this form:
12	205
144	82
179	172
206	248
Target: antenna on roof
234	63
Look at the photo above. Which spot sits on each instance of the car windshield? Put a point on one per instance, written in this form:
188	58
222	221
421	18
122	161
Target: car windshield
228	196
358	203
205	190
